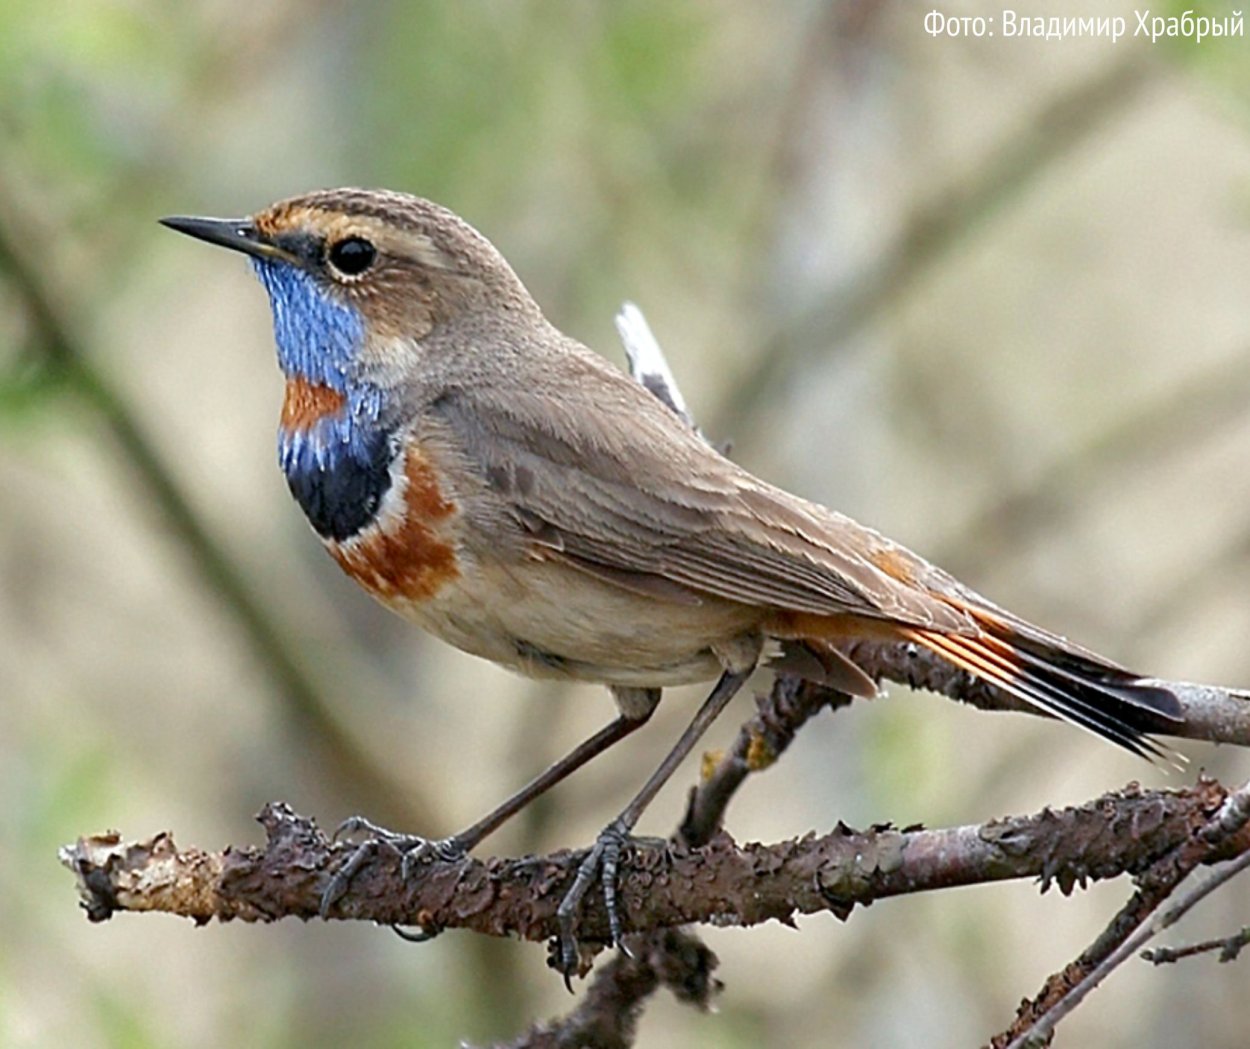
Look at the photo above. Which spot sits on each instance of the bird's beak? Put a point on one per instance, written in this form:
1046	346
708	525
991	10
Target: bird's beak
237	234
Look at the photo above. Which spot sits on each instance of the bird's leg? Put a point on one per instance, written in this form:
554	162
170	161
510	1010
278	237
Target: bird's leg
604	856
636	706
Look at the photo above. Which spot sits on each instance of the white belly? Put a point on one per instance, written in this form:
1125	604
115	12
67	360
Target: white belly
549	620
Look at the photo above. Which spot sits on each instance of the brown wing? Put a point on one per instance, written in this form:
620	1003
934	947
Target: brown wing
601	473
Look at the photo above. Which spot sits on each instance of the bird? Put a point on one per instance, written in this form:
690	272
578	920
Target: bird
504	487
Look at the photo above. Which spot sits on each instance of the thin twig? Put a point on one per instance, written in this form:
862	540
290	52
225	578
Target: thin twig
1211	712
1228	821
1228	946
1041	1030
607	1016
760	742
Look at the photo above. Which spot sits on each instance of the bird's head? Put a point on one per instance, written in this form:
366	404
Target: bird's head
370	291
359	279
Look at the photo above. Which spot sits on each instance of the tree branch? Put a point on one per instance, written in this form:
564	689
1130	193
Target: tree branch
607	1017
1228	946
760	742
1212	713
663	885
1129	931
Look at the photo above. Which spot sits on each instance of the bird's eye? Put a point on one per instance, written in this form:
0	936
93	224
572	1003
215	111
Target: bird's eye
352	256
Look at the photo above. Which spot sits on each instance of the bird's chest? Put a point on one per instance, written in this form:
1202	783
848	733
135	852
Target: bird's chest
337	466
406	554
431	542
373	496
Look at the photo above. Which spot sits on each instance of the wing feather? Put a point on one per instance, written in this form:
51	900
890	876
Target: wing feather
629	488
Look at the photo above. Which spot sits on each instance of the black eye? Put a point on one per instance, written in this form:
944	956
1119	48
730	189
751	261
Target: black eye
352	256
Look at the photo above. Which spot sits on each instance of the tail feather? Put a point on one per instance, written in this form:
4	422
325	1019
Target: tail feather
1101	699
1154	705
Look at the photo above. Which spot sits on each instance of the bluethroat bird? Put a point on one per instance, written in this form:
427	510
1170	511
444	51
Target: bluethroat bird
491	479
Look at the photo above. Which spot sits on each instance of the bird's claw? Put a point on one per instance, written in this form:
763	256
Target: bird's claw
354	825
412	848
602	860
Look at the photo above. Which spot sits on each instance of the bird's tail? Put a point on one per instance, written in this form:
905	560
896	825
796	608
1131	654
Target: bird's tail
1051	674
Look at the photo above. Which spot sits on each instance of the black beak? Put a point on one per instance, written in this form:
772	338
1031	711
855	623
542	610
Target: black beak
237	234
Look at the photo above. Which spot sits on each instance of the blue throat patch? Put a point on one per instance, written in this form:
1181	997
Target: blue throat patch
338	469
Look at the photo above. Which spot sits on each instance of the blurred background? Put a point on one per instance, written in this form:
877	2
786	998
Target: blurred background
987	295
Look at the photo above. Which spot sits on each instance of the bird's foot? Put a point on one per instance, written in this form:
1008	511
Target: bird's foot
411	847
603	862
